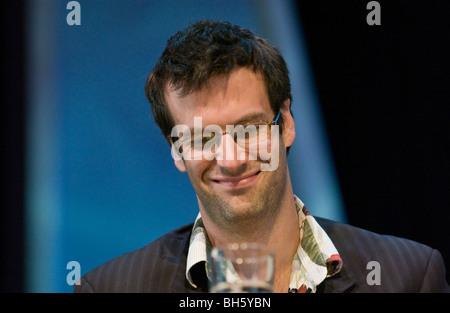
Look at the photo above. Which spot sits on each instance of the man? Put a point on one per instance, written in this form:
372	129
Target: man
221	96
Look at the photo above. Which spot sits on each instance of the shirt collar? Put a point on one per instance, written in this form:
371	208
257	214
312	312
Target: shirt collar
315	260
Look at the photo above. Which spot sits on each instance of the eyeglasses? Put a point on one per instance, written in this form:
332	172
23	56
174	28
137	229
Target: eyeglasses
248	136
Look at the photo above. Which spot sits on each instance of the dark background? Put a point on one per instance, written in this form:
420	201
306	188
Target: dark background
12	167
384	95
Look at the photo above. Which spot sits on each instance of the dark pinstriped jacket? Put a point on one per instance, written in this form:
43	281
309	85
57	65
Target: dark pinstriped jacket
405	265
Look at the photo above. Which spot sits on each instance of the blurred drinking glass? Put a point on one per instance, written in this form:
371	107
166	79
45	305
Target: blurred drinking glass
241	267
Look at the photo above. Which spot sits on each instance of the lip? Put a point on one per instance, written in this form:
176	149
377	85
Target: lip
237	182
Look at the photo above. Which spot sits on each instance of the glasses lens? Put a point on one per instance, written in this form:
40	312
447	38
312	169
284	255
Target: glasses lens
247	136
251	135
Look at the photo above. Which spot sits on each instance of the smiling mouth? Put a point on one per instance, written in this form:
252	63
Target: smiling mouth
237	182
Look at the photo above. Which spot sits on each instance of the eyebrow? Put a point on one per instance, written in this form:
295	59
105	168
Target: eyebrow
256	116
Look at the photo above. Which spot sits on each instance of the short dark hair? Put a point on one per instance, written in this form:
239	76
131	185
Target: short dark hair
208	48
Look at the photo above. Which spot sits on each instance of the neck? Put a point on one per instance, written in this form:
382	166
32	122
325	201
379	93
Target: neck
278	231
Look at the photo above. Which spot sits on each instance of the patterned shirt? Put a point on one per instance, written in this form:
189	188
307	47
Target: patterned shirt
315	260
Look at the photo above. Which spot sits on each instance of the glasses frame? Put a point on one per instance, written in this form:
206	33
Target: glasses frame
269	124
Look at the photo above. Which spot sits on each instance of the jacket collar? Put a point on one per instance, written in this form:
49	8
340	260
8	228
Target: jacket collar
344	281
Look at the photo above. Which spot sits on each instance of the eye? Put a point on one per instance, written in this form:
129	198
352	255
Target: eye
200	141
207	138
251	130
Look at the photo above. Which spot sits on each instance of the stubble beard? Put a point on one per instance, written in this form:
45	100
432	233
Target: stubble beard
244	211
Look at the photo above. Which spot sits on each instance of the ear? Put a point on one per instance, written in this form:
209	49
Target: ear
177	158
288	124
180	165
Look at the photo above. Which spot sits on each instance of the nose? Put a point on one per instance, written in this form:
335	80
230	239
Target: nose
230	156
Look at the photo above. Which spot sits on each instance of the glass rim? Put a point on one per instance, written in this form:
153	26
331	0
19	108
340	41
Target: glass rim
243	246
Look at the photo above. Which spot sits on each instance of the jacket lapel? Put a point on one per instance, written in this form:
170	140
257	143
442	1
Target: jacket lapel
344	281
179	282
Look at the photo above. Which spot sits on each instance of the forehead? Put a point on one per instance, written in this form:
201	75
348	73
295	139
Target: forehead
223	99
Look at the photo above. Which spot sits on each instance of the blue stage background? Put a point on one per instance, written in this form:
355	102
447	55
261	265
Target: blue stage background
100	178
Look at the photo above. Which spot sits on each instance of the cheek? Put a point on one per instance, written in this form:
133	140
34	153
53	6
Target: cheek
196	171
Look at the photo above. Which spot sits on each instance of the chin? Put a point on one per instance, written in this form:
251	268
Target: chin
238	210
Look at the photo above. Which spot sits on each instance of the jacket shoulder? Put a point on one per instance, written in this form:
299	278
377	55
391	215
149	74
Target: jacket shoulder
151	268
403	265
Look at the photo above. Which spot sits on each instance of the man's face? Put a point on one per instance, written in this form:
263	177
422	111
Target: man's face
230	189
